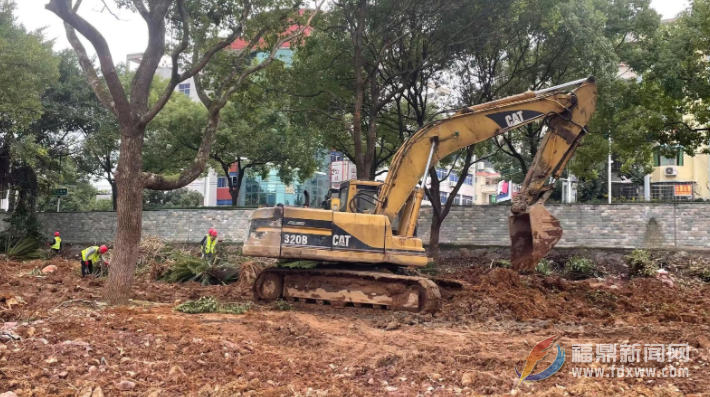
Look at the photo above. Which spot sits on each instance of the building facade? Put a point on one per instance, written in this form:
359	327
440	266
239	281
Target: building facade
681	177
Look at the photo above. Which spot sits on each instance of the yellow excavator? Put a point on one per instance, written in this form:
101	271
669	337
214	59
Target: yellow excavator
349	253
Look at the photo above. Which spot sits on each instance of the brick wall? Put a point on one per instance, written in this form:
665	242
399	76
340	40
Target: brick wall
684	226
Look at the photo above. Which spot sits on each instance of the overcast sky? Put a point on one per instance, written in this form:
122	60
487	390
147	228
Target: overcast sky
130	35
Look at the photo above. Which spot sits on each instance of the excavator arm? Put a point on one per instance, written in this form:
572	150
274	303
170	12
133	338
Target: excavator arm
534	231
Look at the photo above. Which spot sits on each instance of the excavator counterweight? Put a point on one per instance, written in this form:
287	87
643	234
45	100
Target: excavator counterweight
349	253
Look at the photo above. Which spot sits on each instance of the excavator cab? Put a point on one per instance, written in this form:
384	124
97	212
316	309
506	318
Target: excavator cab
358	197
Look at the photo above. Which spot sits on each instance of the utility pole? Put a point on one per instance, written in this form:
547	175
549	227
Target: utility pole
609	172
647	187
475	166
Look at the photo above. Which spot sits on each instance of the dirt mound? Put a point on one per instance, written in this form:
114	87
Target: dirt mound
501	294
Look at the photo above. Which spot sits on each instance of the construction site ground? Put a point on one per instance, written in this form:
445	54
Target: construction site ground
72	344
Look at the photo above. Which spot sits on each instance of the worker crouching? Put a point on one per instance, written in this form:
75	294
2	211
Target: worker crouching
89	257
209	242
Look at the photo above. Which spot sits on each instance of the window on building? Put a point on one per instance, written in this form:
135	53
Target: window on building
441	173
443	196
660	160
453	177
184	88
221	182
468	180
457	199
467	200
235	180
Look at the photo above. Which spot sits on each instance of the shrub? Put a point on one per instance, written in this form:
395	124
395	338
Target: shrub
544	267
282	305
208	304
580	268
504	263
704	275
641	264
24	249
187	268
430	269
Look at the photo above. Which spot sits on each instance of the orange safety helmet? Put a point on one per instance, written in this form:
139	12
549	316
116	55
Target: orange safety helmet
103	249
56	234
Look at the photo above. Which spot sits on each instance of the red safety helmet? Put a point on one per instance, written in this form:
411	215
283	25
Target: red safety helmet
56	234
103	249
213	233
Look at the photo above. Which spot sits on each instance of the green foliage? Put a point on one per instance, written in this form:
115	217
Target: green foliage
102	205
187	268
430	269
504	263
704	275
24	249
256	132
282	305
640	264
28	67
208	304
544	267
179	198
297	264
23	224
580	268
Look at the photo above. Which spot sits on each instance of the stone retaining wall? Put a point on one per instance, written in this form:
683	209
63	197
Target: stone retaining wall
682	226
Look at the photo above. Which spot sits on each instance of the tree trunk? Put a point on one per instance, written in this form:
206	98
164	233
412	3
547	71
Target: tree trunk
114	194
128	235
371	139
359	63
236	188
434	238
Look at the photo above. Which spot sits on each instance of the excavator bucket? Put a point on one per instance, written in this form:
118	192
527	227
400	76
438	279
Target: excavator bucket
532	236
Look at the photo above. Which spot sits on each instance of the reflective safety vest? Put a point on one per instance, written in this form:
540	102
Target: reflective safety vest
91	254
208	247
57	243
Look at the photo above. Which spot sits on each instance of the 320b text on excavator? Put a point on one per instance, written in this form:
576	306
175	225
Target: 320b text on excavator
349	253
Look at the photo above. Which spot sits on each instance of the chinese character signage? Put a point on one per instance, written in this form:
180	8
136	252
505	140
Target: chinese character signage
341	171
683	190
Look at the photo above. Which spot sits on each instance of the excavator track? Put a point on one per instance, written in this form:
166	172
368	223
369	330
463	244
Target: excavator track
339	287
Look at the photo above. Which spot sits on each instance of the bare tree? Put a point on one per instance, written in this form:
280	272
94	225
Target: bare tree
194	24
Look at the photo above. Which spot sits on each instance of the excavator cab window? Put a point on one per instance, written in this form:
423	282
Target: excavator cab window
364	200
358	196
344	188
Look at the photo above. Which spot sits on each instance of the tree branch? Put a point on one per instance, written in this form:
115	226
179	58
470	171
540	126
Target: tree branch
161	182
118	103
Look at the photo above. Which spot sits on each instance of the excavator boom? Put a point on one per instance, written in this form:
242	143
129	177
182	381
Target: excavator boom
533	230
